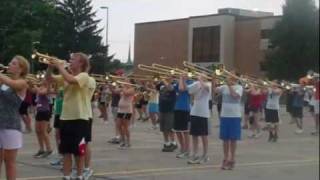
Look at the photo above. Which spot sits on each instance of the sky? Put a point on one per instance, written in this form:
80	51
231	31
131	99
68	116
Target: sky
123	14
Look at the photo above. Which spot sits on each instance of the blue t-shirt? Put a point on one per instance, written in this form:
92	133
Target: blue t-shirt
182	98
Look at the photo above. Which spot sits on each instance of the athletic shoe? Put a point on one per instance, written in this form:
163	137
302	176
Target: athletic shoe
123	146
167	148
56	162
66	178
174	146
39	154
87	173
204	159
114	141
194	160
180	155
46	154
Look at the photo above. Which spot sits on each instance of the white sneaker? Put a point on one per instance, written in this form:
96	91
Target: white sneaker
299	131
204	159
194	160
87	173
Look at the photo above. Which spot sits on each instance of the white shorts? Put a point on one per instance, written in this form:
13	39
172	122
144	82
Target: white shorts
10	139
316	106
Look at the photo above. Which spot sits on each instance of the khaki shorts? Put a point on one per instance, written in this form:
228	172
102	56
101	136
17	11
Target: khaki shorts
166	121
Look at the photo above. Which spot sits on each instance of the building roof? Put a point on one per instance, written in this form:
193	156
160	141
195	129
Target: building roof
222	12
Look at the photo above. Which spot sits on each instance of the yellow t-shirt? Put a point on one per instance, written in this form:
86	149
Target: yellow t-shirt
92	87
76	98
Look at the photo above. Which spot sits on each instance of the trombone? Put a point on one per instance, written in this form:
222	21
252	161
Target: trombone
46	59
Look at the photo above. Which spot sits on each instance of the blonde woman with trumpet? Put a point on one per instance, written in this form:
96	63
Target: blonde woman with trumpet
12	92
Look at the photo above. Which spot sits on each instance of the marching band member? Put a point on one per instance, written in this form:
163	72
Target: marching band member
153	105
272	111
230	121
182	116
74	120
124	115
297	108
115	98
199	119
12	93
103	104
254	105
42	118
167	101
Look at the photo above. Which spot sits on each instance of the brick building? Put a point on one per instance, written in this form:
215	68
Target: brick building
234	37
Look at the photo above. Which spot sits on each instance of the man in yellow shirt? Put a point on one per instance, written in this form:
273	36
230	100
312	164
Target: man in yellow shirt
75	114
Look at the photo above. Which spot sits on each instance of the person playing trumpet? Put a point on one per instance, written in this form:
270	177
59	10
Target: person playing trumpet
76	110
199	116
230	119
124	114
12	92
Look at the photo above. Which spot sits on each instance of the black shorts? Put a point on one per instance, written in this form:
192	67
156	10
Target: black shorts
43	116
56	123
144	103
89	131
181	121
126	116
23	110
297	112
138	106
72	132
272	116
198	126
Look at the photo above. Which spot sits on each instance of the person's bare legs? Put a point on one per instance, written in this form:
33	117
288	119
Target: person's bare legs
80	164
87	157
205	145
67	164
9	158
195	145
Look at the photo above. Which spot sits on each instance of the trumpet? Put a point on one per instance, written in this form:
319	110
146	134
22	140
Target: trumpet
46	59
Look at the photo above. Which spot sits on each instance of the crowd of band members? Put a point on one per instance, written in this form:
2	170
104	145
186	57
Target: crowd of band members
181	107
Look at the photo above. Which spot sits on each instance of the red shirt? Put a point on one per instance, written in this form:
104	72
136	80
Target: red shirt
255	100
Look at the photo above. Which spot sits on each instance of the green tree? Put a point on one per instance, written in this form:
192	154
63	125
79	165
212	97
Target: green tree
22	23
295	41
81	33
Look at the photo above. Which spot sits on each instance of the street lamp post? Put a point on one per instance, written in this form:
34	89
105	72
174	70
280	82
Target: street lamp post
107	32
107	23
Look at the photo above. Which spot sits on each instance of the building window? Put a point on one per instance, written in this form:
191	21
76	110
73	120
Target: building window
206	44
265	33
